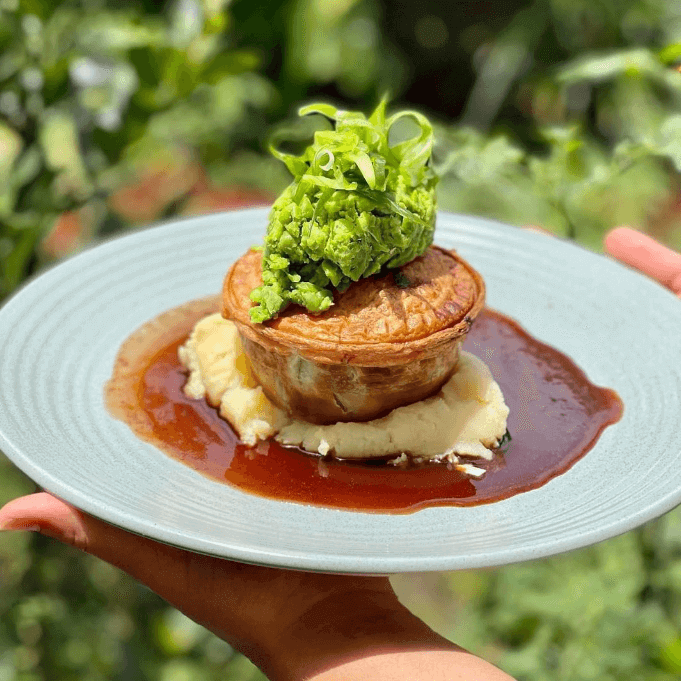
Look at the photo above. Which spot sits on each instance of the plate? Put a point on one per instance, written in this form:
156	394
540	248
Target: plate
60	333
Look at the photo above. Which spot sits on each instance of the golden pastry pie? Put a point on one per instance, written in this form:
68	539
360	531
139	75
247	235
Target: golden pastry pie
388	340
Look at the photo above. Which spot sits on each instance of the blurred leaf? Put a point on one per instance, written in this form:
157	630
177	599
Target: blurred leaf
10	148
476	158
597	68
58	138
631	63
670	54
59	141
671	655
242	668
230	63
504	63
670	534
664	141
147	69
211	110
176	633
670	140
186	22
15	263
108	33
180	72
10	63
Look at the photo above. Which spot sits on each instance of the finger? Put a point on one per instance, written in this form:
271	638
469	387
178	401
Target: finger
646	255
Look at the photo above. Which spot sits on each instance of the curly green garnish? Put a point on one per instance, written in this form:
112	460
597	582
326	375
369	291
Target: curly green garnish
356	204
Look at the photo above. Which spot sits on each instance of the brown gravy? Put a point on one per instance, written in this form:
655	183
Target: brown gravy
556	417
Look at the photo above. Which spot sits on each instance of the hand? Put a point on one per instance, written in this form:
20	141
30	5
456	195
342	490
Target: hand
293	625
646	255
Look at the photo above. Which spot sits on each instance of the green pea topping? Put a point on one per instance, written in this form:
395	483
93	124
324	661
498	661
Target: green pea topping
357	204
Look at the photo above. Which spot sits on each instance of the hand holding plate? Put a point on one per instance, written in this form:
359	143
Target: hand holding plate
293	625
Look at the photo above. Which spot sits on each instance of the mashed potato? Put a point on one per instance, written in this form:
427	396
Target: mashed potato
466	418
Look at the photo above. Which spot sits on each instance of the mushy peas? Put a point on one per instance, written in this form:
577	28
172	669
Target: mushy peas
357	203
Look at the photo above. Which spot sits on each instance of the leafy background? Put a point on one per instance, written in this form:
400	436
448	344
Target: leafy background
557	113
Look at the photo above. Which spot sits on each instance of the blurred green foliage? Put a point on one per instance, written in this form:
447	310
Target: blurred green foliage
554	113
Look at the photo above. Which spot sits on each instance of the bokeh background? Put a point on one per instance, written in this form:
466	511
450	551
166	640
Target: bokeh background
559	113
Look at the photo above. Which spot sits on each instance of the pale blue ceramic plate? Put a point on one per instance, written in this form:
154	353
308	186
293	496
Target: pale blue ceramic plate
59	336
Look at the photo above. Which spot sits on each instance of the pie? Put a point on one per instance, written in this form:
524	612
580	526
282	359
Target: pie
388	340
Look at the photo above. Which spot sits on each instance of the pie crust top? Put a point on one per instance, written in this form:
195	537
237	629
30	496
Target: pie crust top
436	295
